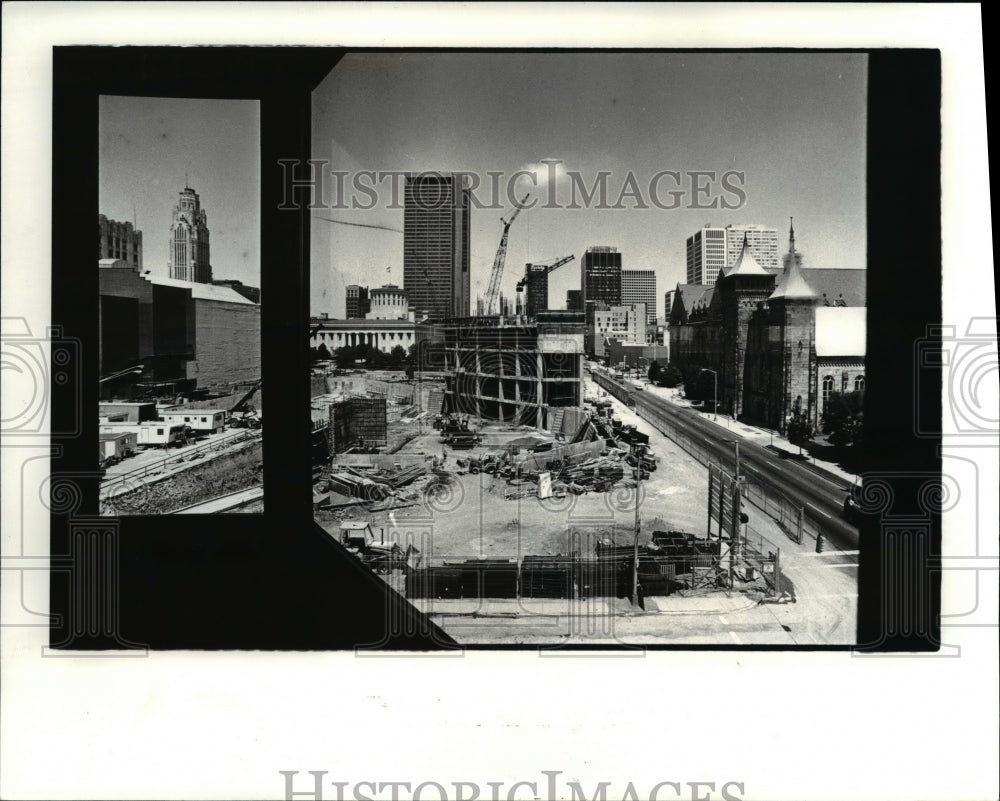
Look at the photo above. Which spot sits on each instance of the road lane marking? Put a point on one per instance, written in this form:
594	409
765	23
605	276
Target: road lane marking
819	510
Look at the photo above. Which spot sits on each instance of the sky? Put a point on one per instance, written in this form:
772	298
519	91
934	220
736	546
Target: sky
794	124
150	146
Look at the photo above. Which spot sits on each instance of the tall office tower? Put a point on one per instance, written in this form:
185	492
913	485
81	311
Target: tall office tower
712	249
639	286
357	303
436	244
762	241
573	300
189	257
118	240
668	303
706	255
601	275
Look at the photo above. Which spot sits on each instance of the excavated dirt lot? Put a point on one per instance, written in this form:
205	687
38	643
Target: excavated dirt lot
469	517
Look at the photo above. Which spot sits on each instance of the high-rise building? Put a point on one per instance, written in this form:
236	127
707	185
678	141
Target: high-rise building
639	286
536	290
712	249
189	254
601	275
118	240
706	255
357	303
436	245
574	302
668	303
762	241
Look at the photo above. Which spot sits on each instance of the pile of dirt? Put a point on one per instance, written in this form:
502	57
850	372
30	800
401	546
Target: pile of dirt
229	472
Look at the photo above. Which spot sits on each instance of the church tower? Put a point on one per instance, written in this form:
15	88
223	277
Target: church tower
189	254
792	311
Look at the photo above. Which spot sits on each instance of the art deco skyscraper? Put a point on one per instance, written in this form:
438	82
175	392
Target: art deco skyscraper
189	255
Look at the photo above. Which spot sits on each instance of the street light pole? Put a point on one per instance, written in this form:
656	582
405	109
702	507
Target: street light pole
715	392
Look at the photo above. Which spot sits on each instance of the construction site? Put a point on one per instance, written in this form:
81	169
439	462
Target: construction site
177	455
515	496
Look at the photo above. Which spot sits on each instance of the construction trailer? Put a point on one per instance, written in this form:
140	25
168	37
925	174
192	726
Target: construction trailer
117	445
150	434
201	421
165	434
357	423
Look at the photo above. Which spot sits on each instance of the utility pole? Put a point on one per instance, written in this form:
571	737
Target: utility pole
635	548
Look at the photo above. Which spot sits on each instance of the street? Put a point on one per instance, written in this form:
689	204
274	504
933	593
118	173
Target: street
821	498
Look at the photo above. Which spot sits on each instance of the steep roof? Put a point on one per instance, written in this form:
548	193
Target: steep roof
848	285
746	264
841	331
791	284
690	295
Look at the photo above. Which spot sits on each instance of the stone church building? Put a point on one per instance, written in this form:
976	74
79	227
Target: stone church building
780	341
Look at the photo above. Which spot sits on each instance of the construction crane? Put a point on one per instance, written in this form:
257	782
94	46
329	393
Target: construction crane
537	275
494	288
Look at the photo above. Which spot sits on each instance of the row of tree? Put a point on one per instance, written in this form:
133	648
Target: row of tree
843	412
365	355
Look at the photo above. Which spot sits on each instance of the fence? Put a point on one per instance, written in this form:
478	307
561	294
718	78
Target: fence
789	516
679	563
183	455
614	389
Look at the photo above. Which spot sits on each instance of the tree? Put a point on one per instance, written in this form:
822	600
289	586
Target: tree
700	385
397	356
799	432
843	418
654	372
670	377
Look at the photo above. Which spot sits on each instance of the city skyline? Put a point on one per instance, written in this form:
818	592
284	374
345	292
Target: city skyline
792	124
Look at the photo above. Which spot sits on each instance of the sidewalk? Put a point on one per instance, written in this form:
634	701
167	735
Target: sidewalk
757	435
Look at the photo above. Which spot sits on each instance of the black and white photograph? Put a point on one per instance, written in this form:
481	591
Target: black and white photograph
633	402
181	411
608	386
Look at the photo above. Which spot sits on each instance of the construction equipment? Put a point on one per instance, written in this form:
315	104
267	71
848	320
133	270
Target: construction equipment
242	414
493	290
455	431
536	278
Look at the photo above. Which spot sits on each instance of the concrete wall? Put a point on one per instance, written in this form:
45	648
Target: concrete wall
227	339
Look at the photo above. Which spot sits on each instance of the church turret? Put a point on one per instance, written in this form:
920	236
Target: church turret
793	310
740	290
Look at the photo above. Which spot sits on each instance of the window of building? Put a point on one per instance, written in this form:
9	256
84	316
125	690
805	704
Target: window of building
827	388
859	384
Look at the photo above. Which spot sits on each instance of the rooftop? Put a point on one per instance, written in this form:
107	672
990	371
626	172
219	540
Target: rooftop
841	331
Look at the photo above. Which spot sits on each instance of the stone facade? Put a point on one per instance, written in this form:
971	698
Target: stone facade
759	333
